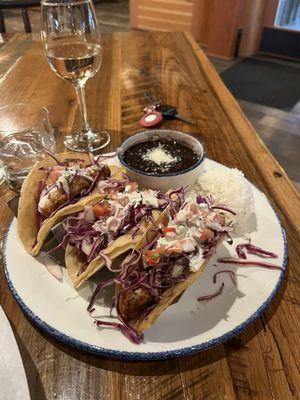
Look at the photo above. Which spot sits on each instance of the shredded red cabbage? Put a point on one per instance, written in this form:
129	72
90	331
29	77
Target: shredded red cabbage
81	229
210	202
127	331
238	261
205	200
53	156
231	274
112	185
108	262
242	248
177	201
213	295
100	286
103	174
224	208
133	217
102	158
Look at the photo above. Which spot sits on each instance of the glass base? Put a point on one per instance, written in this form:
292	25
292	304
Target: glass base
87	141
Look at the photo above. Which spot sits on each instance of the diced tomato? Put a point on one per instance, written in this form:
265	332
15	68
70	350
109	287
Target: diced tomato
100	210
168	230
55	173
152	257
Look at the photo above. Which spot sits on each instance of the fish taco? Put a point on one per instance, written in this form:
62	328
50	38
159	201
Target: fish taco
111	226
58	186
152	278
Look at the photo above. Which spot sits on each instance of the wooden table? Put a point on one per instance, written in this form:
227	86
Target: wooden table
260	363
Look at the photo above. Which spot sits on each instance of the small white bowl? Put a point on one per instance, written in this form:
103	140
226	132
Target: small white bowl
165	181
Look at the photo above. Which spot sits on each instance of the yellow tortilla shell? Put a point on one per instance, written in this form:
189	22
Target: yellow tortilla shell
31	238
119	246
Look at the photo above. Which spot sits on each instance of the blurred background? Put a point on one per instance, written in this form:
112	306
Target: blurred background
253	44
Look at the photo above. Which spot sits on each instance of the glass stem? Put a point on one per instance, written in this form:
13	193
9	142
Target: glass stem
82	106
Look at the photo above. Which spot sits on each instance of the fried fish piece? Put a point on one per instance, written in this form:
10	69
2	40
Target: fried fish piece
67	183
134	302
56	197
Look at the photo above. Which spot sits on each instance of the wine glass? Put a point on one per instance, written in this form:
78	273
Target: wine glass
71	38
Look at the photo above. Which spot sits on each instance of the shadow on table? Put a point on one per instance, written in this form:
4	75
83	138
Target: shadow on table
36	391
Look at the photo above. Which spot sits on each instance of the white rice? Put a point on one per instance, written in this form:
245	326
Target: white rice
230	188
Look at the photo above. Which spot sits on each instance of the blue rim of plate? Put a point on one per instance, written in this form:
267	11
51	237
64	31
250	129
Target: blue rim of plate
139	356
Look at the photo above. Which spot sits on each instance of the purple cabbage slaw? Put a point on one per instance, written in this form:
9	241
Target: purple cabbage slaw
80	228
135	274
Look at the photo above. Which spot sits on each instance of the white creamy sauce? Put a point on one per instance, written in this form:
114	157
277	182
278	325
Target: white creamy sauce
189	224
119	208
147	197
134	197
195	263
150	199
63	181
43	202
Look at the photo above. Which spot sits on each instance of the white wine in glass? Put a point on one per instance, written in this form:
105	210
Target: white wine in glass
76	62
71	37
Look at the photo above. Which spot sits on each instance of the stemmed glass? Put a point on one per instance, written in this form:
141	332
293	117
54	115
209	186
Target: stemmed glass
71	38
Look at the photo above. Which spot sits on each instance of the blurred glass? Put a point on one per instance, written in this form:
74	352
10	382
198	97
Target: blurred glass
25	137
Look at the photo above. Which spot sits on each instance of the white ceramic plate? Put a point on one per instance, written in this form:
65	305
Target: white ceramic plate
13	381
183	328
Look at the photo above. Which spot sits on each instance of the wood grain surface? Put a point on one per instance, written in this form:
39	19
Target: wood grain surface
260	363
